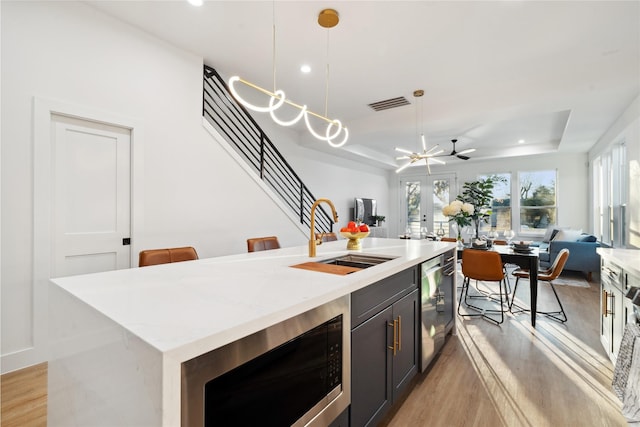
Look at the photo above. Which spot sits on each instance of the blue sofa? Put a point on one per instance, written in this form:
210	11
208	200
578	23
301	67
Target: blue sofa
582	253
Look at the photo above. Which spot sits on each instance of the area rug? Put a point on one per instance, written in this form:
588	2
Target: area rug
578	281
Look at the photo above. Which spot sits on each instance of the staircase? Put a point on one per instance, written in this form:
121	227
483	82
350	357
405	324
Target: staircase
242	133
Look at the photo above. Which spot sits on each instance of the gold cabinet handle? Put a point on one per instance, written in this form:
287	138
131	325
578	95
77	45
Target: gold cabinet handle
399	333
395	336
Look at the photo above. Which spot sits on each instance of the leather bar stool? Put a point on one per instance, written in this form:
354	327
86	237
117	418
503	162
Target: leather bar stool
165	256
326	237
256	244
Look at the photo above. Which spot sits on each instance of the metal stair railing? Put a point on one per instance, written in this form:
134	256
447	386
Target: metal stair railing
242	132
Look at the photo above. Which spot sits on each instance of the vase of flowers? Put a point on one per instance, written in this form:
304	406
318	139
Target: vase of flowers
461	214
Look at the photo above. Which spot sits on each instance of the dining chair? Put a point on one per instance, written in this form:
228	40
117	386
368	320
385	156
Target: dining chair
486	266
500	242
164	256
326	237
548	275
256	244
448	239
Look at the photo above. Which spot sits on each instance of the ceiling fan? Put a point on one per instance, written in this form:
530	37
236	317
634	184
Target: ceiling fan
426	155
460	155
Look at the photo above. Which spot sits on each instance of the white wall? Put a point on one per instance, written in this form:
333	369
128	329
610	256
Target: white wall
571	186
193	193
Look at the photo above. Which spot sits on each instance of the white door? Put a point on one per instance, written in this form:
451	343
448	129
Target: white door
424	196
91	187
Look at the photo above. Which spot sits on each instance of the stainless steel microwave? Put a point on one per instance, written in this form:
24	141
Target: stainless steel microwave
293	373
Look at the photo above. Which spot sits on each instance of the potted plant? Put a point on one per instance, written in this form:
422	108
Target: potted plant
479	194
379	219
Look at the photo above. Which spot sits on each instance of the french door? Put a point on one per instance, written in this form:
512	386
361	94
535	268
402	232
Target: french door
423	198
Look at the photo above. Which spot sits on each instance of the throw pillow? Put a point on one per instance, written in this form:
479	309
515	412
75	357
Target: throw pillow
551	232
548	235
568	235
587	238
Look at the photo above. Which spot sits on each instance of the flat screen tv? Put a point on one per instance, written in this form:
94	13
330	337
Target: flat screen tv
363	210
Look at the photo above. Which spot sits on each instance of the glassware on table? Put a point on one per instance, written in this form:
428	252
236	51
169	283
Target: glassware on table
509	235
491	236
440	233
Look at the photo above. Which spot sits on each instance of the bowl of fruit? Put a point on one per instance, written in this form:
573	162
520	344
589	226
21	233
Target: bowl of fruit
354	233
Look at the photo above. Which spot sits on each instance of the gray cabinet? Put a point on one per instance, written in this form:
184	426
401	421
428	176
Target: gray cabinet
384	345
405	361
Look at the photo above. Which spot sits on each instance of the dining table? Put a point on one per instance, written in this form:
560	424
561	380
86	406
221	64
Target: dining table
526	259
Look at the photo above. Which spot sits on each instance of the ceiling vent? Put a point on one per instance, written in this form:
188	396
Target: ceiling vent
389	103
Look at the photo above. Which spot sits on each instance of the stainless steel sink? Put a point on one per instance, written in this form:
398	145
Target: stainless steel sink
357	260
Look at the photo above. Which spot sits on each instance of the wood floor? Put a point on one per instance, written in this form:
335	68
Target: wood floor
509	375
514	375
24	397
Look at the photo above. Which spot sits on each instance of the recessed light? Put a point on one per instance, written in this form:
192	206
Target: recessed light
521	141
196	2
305	68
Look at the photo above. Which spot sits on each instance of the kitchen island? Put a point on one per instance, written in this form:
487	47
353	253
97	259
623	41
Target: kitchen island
118	339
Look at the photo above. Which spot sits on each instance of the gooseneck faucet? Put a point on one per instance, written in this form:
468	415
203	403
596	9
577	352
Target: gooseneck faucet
312	236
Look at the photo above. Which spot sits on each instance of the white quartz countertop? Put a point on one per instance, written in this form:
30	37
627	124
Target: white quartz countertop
628	259
188	308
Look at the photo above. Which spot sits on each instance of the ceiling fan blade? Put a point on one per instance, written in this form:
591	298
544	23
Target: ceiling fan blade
463	157
403	158
424	143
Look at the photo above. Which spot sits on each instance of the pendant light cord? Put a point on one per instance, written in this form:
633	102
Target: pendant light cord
326	91
273	36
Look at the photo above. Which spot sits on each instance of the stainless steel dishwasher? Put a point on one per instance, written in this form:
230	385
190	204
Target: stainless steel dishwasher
437	300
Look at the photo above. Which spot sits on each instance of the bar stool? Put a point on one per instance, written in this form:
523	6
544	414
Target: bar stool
448	239
164	256
326	237
256	244
485	266
548	276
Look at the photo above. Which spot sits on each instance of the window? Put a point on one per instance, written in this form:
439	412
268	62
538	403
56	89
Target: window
610	195
537	201
501	203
